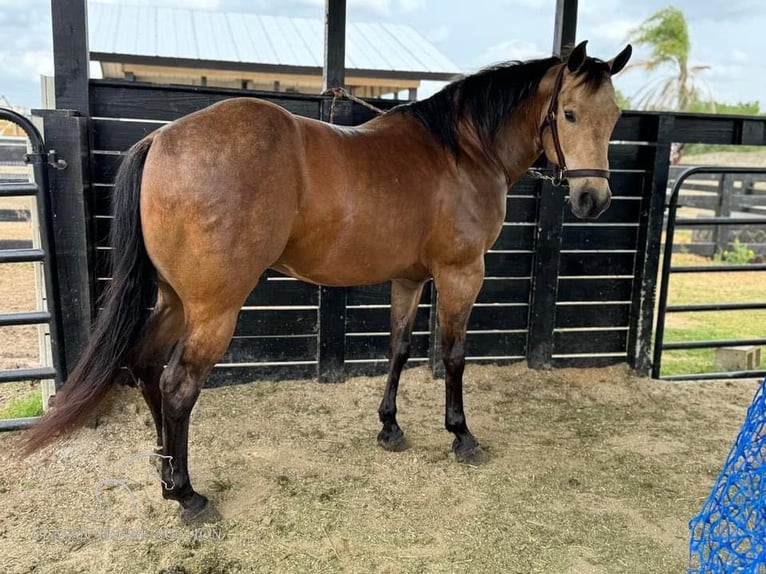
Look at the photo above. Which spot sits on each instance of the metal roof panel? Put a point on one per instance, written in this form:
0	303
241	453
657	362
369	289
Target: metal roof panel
251	38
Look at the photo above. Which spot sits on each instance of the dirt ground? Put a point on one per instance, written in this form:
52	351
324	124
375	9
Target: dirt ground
590	471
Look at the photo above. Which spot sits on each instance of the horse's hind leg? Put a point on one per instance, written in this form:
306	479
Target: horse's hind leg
405	296
458	288
207	335
165	328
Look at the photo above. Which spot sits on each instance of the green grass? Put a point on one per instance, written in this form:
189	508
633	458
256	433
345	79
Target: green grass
709	325
21	407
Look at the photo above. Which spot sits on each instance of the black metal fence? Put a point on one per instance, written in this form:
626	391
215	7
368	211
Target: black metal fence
37	188
668	269
723	195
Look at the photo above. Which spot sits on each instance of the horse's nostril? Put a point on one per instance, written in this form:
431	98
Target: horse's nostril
586	202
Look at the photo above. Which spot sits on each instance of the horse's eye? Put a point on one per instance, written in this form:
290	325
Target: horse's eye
570	116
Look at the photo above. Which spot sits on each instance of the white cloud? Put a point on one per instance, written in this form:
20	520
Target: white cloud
411	5
533	4
36	63
372	6
511	50
438	34
739	56
614	31
192	4
384	7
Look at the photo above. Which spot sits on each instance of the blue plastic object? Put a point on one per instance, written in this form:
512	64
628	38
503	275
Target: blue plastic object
729	534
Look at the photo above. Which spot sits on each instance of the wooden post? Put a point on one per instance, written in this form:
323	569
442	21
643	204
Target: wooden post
547	264
725	191
565	27
545	276
334	74
435	359
71	58
648	251
67	133
332	335
331	354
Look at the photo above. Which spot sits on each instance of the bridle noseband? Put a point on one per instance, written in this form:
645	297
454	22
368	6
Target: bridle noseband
561	172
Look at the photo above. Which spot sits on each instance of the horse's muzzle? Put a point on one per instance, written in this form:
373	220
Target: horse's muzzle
589	204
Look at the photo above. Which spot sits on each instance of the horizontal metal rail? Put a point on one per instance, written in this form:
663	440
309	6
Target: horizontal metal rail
712	344
668	269
720	221
25	189
36	374
715	376
21	255
717	268
714	307
17	424
30	318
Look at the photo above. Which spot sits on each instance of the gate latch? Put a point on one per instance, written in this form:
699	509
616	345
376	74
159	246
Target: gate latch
52	159
55	161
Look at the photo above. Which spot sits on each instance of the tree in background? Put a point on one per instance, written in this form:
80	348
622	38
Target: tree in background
740	108
665	32
622	100
667	35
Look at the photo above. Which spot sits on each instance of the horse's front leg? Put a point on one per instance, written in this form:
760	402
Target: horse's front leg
458	288
405	296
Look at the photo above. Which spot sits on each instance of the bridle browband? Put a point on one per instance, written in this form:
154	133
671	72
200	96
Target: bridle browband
562	172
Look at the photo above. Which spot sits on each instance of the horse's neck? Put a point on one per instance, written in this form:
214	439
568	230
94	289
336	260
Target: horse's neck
518	143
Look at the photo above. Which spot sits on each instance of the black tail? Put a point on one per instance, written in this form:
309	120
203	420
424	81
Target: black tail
120	325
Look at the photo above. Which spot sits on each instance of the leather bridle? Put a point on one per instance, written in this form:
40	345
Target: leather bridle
562	172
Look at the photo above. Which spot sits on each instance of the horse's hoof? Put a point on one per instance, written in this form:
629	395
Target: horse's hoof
393	441
470	452
207	514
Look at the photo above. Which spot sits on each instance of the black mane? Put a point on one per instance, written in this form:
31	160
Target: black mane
487	98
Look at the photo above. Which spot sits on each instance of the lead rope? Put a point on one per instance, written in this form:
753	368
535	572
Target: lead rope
342	93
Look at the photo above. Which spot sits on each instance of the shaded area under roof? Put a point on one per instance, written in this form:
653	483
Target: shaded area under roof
143	33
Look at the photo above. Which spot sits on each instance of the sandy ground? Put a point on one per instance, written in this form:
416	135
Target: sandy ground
591	471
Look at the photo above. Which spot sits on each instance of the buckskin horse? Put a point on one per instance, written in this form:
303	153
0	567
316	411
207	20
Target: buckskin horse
416	193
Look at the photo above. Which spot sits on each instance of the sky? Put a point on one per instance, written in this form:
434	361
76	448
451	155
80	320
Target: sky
727	36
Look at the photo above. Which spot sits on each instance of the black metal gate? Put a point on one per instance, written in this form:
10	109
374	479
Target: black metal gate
40	160
668	269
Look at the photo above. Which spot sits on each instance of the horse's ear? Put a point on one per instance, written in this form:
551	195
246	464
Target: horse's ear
618	62
577	57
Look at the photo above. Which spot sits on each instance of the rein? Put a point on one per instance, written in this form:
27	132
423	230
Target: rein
561	173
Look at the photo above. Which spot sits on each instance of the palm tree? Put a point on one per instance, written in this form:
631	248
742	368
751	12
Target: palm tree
666	33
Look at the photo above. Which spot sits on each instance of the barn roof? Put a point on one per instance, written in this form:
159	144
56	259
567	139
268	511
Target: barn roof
121	33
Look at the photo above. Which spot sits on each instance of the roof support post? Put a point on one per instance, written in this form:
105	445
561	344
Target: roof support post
70	54
550	232
334	72
565	27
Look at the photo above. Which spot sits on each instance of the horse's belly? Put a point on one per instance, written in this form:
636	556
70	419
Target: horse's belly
347	265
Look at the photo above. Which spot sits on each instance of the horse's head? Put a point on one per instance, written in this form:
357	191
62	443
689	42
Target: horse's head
577	125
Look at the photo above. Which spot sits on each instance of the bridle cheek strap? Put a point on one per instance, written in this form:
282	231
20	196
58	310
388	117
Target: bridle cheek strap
550	121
